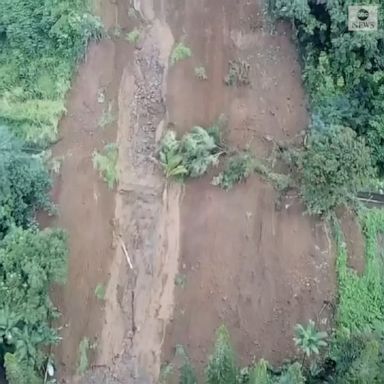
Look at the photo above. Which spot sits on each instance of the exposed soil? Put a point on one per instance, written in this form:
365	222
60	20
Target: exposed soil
243	262
86	206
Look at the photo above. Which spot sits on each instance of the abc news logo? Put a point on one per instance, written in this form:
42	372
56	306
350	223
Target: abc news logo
363	17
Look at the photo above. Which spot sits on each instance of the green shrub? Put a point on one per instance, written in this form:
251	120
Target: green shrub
358	358
239	167
106	163
133	36
190	156
18	372
180	52
29	262
334	167
24	184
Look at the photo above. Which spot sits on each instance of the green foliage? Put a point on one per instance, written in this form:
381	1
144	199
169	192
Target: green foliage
40	44
221	367
83	360
239	167
165	372
343	71
24	184
293	375
308	339
358	358
29	262
334	166
18	372
180	52
187	373
201	73
133	36
106	163
191	156
171	157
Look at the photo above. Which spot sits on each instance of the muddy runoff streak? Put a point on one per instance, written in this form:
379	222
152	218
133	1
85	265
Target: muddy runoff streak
139	300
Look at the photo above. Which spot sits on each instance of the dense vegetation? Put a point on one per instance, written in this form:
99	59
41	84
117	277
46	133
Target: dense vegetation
40	45
344	76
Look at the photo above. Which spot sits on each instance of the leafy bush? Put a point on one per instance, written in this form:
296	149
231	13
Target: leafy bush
358	358
239	167
180	52
24	184
18	372
191	156
106	163
334	167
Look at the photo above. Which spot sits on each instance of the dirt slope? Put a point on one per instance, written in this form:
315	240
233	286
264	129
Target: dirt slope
244	263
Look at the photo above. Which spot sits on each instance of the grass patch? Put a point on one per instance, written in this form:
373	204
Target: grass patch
133	36
361	298
106	163
180	52
201	73
83	358
100	291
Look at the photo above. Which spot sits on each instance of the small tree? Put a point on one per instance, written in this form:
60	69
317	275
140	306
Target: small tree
309	340
334	167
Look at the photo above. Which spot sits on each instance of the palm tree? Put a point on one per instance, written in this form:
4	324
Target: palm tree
309	340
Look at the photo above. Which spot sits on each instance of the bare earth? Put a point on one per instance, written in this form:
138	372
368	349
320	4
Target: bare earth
244	263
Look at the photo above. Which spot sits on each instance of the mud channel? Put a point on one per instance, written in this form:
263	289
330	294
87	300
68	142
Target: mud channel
243	261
